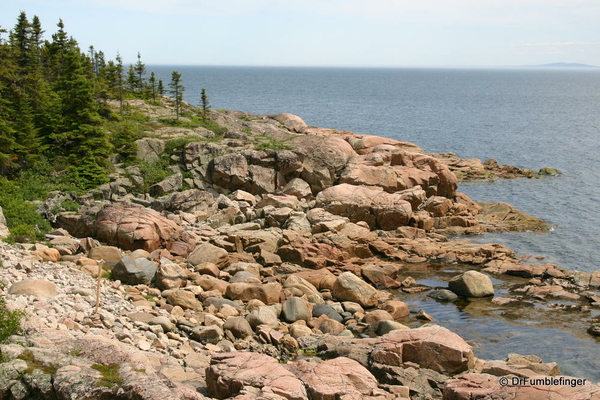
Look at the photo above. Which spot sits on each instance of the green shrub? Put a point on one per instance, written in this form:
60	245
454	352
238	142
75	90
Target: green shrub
154	172
70	205
22	234
10	321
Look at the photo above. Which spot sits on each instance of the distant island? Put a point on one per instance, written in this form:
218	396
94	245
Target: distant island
564	65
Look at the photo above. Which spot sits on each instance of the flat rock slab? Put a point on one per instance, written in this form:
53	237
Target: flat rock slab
34	287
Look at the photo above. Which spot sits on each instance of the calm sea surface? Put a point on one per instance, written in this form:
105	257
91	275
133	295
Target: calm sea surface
530	118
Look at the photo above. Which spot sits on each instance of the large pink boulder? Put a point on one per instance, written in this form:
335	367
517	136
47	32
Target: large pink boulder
432	347
372	205
132	226
232	374
335	378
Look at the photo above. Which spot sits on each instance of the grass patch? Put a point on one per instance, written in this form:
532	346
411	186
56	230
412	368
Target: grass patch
265	142
193	122
110	375
32	364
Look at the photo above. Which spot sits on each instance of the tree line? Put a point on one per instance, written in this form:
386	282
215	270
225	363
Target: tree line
54	102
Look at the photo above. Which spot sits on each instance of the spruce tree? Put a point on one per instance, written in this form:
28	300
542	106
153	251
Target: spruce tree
205	104
140	71
177	90
152	81
160	88
131	79
87	147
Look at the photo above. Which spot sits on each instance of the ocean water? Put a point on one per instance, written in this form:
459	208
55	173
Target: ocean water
531	118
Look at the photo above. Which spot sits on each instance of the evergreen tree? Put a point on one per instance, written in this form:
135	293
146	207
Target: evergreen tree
205	104
160	88
118	80
152	81
87	148
131	79
140	71
177	90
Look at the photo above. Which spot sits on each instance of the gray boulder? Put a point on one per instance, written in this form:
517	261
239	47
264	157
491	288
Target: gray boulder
170	184
134	271
295	309
472	284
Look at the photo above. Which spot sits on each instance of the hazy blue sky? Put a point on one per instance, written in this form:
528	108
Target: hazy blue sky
327	32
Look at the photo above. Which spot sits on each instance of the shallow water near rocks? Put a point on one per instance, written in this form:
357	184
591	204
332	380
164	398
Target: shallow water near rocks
525	328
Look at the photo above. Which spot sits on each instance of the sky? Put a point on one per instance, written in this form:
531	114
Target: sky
354	33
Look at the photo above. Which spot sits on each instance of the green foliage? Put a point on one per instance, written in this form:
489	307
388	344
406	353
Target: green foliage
23	234
176	90
110	375
70	205
154	172
179	143
205	104
124	135
265	142
10	321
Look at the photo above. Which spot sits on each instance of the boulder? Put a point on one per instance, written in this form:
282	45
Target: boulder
297	187
325	158
149	149
295	309
442	295
230	171
110	254
207	252
320	278
65	245
263	315
132	226
373	318
326	309
472	284
46	253
170	276
207	334
432	347
184	299
268	293
294	281
384	327
372	205
231	374
339	378
34	287
134	271
327	325
349	287
170	184
198	202
293	122
397	309
239	327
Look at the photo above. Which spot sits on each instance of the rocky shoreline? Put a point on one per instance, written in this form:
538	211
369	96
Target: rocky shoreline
263	268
